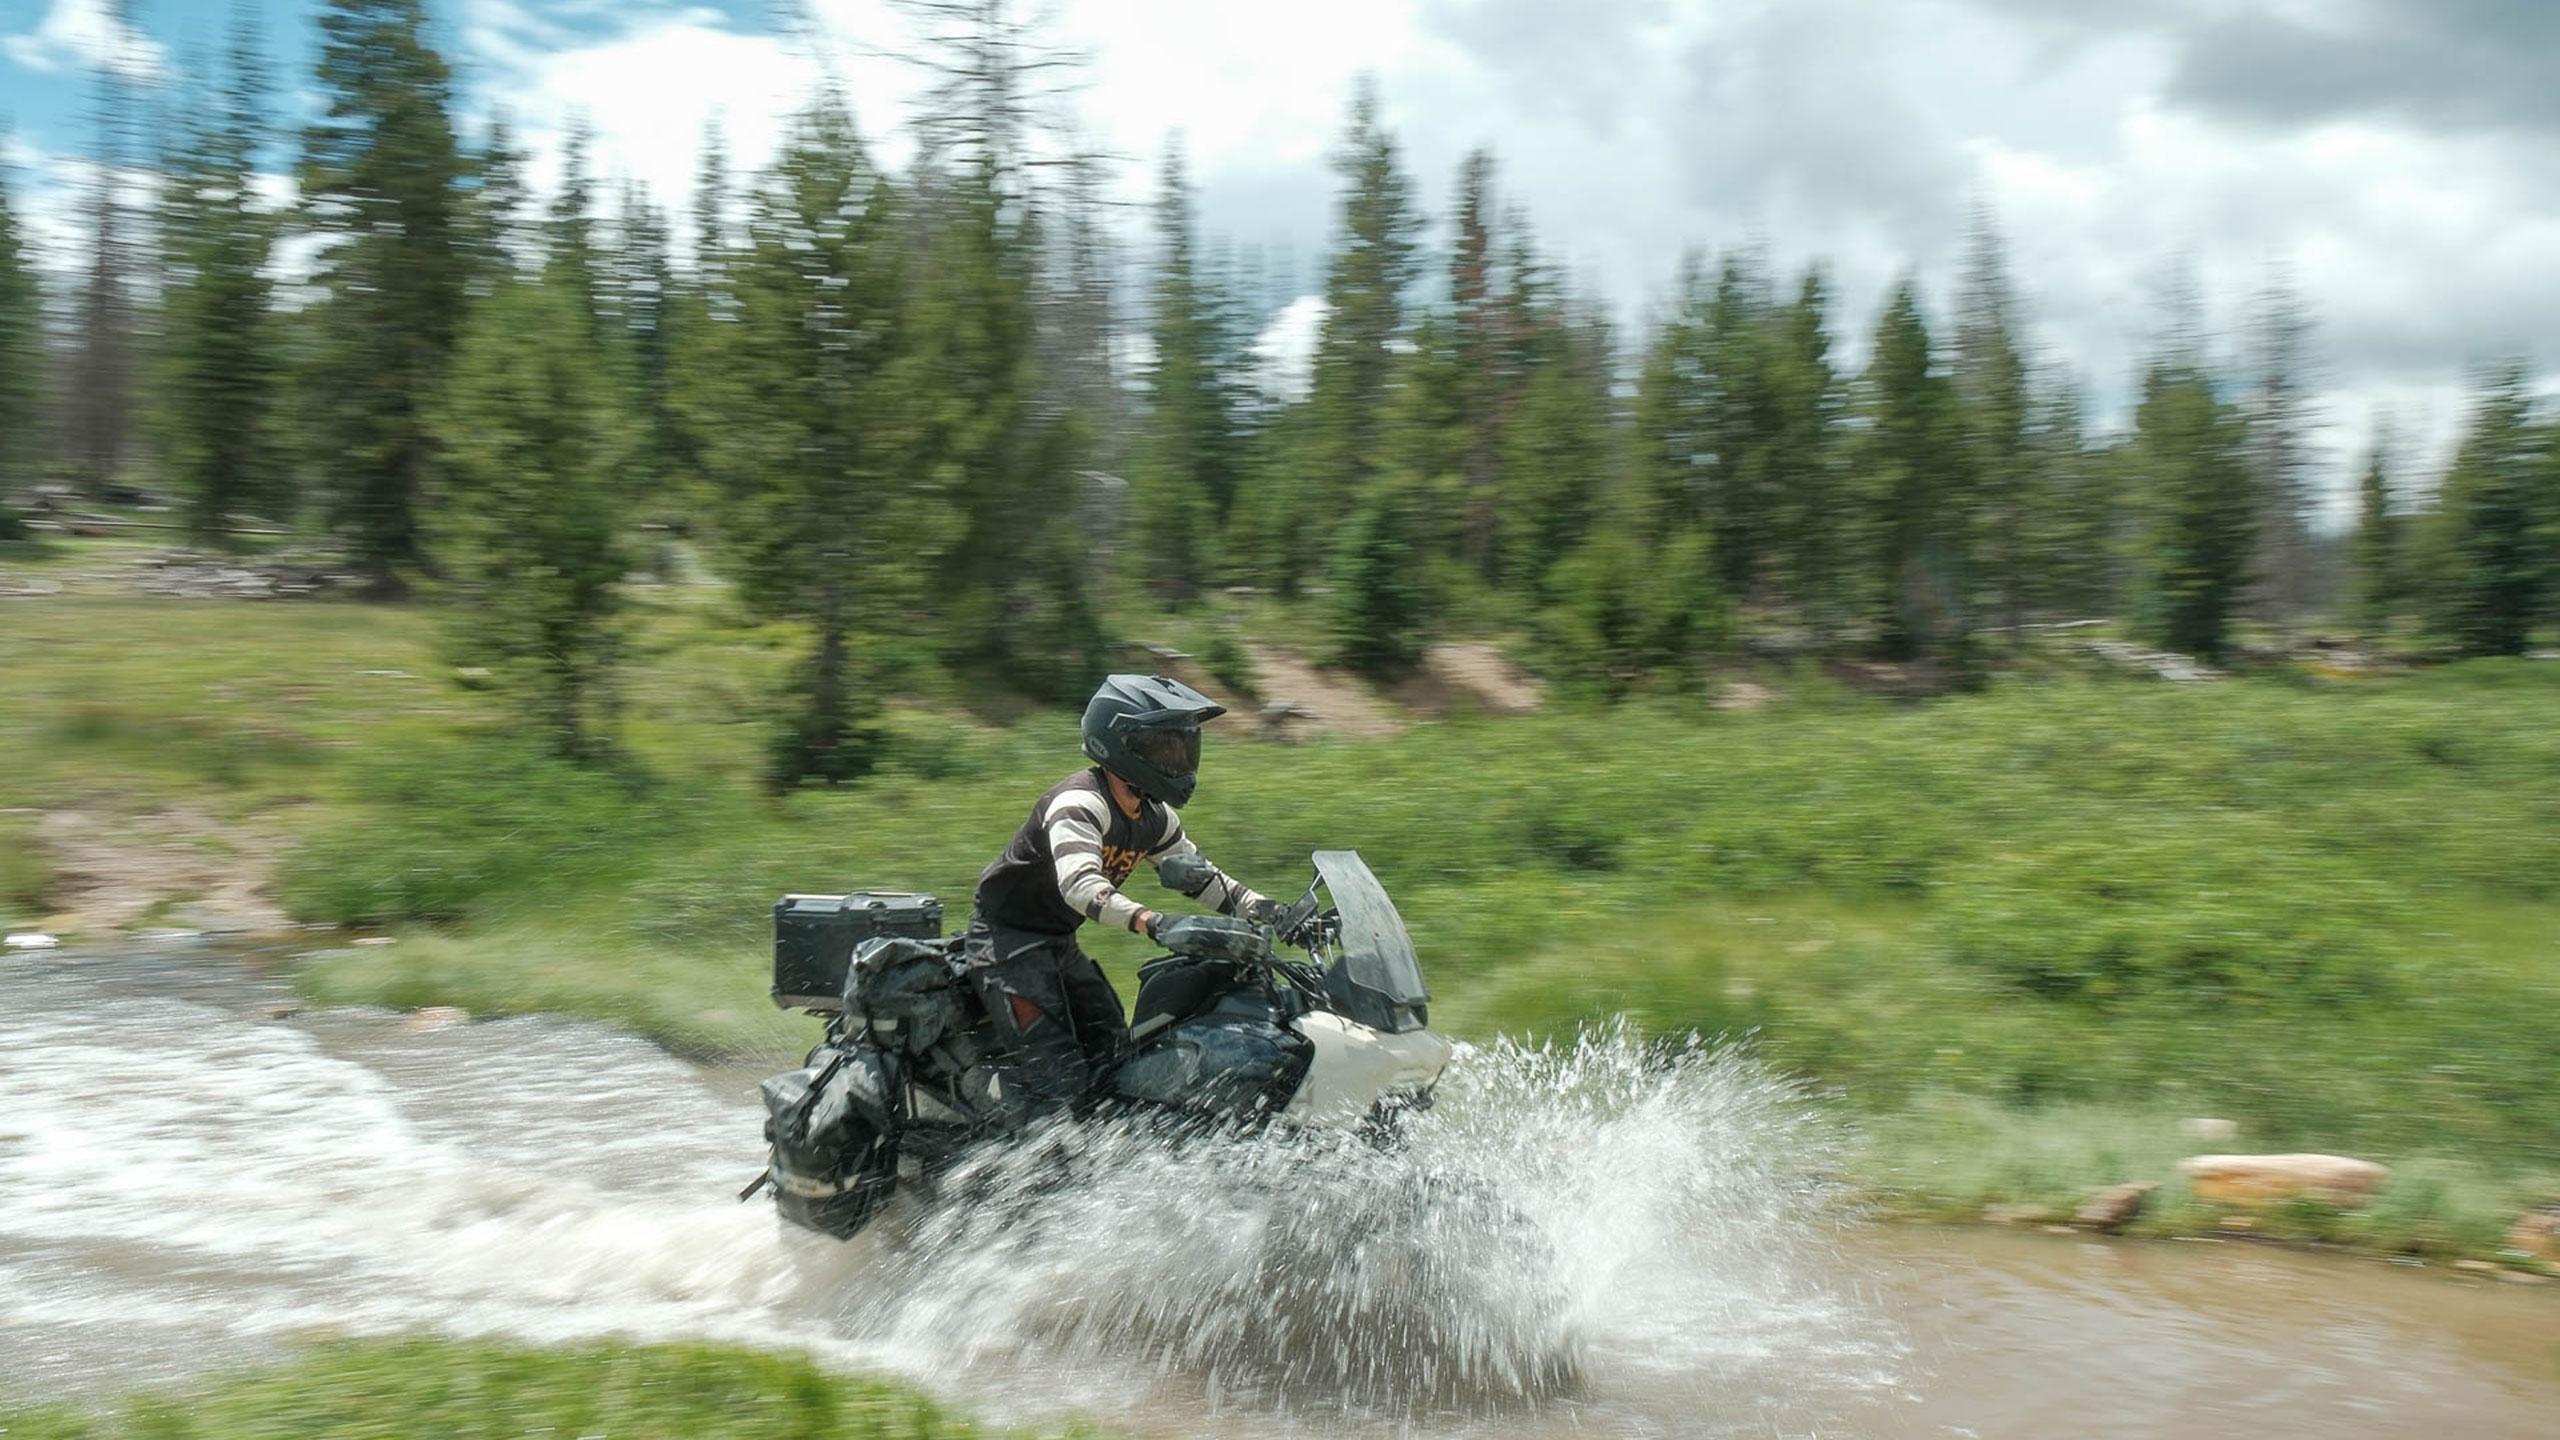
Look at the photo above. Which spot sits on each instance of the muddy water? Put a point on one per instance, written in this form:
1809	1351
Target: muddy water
1586	1244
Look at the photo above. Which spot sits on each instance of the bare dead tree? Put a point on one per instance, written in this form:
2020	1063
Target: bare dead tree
100	403
2280	421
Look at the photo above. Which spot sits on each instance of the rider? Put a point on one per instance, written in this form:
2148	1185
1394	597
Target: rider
1052	1006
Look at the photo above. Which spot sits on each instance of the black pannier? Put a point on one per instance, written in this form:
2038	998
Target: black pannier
814	937
833	1126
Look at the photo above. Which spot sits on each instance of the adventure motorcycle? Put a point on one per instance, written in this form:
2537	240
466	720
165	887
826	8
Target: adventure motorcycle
909	1075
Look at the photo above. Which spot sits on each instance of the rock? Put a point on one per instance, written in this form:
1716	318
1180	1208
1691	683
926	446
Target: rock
474	677
376	940
435	1017
1742	695
2202	1128
280	1009
2115	1207
2015	1214
2265	1179
2523	1277
1277	715
30	940
2167	664
2475	1267
2537	1234
2236	1224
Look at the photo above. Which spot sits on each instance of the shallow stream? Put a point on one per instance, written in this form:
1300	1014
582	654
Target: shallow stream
1598	1242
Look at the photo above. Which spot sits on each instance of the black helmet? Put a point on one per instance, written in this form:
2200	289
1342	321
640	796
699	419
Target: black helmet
1146	730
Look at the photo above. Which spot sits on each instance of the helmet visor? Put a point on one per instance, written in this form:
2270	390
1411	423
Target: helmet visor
1173	752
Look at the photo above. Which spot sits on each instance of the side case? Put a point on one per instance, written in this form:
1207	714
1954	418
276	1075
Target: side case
814	937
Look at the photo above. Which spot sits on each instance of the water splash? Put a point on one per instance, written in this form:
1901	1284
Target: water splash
182	1186
1566	1210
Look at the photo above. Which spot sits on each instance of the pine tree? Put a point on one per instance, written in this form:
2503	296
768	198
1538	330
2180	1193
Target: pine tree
1676	419
1014	586
1373	262
1483	350
382	179
496	218
2076	535
794	397
1917	498
996	431
1815	536
574	253
1185	466
1741	496
2495	566
1992	384
1633	607
220	359
2376	546
2192	448
540	455
1713	421
1422	444
1556	445
701	311
21	363
1379	603
642	310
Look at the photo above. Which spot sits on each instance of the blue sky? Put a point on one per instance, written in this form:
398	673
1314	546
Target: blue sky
2400	158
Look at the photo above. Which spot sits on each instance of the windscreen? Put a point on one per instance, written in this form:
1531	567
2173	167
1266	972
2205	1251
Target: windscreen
1377	962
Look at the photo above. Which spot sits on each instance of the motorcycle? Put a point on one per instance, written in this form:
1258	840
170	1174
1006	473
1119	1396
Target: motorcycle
908	1078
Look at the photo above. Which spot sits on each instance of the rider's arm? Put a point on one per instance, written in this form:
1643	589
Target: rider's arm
1074	823
1225	894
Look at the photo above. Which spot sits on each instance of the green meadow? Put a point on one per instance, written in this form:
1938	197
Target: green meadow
2014	936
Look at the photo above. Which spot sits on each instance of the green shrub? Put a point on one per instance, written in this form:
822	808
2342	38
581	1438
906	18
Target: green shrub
1233	668
24	873
2178	913
449	828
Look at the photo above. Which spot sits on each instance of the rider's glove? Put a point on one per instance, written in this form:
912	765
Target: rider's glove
1212	937
1187	874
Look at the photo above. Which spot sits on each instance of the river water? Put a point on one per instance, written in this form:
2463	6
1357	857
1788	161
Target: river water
1601	1241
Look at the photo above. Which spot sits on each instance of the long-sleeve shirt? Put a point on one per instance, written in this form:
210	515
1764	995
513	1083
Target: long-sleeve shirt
1066	864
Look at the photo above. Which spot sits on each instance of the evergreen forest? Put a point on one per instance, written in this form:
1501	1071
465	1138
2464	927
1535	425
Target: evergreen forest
926	414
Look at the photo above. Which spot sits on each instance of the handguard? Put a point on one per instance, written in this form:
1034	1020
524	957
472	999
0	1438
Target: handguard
1214	937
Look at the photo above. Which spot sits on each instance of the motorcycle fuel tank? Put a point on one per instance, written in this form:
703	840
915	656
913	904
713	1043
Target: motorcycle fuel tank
1355	1067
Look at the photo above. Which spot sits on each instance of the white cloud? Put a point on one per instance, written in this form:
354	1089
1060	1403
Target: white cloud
1285	352
1853	132
649	94
80	33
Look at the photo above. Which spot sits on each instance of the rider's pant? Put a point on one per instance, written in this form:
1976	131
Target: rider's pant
1058	1021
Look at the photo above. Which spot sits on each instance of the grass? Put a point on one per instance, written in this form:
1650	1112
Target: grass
425	1389
2017	934
25	874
